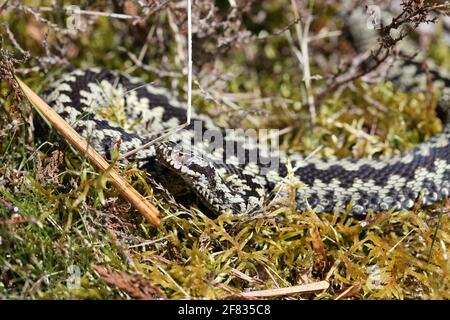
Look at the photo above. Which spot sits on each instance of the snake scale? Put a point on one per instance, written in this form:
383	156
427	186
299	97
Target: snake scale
229	170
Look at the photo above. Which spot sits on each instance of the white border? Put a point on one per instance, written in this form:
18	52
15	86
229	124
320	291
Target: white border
189	108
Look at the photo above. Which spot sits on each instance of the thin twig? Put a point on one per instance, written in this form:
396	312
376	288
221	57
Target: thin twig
135	198
161	73
92	13
413	14
304	288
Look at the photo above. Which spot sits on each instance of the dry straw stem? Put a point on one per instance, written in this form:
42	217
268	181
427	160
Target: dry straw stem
304	288
126	190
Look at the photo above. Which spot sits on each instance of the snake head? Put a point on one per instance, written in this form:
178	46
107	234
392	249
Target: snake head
213	184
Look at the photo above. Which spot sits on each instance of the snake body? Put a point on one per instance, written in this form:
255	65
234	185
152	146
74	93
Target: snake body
230	170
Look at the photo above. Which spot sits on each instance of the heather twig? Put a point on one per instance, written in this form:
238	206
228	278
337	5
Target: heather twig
414	13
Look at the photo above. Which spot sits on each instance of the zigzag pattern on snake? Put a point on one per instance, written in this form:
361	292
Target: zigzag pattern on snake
241	181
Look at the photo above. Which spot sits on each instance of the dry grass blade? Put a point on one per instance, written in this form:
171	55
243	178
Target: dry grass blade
136	286
126	190
245	277
352	290
3	6
304	288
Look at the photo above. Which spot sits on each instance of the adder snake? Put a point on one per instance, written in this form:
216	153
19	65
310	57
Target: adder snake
223	180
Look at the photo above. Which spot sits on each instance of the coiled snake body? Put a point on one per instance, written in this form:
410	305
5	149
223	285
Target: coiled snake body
241	180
